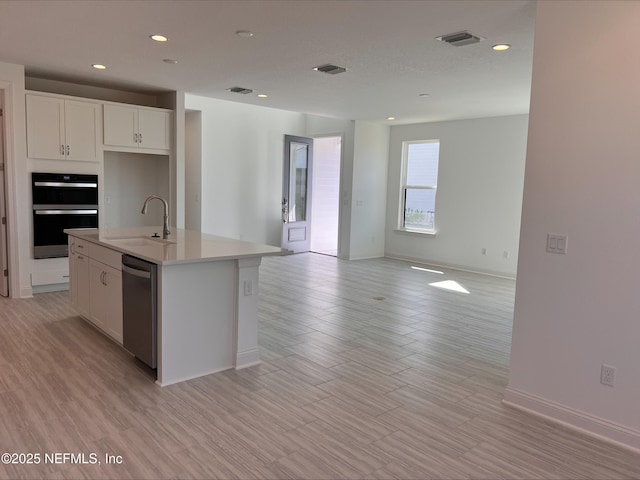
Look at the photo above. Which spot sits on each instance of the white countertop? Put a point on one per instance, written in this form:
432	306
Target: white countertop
182	246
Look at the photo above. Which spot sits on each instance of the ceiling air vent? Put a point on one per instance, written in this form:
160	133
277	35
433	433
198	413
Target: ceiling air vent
241	90
330	69
459	39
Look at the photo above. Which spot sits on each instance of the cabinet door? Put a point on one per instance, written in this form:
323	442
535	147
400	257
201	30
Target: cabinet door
113	292
45	127
82	287
97	303
106	299
81	127
120	126
73	275
153	129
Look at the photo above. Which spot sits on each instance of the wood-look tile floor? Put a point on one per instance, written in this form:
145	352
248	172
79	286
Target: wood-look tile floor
368	372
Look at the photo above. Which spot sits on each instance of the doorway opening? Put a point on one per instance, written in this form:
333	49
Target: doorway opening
325	207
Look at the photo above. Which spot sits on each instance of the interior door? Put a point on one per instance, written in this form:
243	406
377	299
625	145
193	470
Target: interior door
4	260
296	193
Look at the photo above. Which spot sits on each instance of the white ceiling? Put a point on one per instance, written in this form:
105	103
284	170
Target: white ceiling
388	47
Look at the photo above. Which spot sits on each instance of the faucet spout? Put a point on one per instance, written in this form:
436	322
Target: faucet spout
165	227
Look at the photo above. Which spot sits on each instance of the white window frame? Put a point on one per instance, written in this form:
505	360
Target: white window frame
404	187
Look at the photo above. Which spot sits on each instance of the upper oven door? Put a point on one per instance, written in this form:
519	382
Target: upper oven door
64	191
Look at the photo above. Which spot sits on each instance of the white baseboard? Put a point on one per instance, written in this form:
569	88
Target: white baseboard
248	358
190	377
26	292
54	287
366	256
247	365
589	424
450	266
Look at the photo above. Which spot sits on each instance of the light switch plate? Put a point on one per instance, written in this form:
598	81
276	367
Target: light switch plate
557	243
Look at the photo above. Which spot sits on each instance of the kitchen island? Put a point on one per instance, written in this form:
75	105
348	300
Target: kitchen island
207	294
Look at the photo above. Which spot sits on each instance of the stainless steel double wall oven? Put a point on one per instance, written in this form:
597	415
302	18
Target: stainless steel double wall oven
61	201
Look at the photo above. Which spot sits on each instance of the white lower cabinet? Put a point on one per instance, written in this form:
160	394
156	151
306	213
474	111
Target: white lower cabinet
82	288
96	285
105	283
79	275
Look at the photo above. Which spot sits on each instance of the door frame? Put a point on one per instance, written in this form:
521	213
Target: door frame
4	237
8	89
296	246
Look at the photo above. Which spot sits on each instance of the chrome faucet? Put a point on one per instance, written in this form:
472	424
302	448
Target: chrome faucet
165	227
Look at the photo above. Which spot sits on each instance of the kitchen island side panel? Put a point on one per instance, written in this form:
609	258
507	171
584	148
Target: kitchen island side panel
247	353
196	319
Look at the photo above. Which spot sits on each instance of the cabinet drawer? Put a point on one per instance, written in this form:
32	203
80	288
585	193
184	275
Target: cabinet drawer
105	255
79	246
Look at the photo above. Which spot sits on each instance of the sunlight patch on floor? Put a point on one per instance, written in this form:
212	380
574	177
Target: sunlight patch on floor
451	285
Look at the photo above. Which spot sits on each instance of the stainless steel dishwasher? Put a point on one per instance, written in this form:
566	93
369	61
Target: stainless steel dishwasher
139	309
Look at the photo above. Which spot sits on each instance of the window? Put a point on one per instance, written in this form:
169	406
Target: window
419	184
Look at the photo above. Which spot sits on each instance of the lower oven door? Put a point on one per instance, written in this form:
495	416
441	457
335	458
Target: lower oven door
49	239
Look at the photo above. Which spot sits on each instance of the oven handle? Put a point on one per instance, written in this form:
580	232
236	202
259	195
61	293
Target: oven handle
61	206
65	212
64	184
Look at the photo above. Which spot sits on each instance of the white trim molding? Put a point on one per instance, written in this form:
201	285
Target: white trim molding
450	266
589	424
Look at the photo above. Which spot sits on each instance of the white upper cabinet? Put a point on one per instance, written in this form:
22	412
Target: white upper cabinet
153	129
133	127
60	129
120	126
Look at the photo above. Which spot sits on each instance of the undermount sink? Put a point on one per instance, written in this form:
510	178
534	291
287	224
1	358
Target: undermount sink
139	241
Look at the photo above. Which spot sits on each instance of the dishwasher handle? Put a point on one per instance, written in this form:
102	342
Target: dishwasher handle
136	272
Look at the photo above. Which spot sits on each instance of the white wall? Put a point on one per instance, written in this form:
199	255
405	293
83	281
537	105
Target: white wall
129	178
177	163
479	198
193	171
242	151
18	215
88	91
369	191
577	311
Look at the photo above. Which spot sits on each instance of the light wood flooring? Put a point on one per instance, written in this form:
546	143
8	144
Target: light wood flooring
368	373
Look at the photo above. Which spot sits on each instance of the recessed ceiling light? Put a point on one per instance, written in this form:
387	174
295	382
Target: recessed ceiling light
98	66
244	33
262	95
158	38
170	60
501	47
391	118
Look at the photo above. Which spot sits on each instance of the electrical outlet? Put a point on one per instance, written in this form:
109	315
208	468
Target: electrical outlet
506	254
483	251
607	375
248	288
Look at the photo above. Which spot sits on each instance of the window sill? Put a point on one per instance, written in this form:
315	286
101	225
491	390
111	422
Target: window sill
424	233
